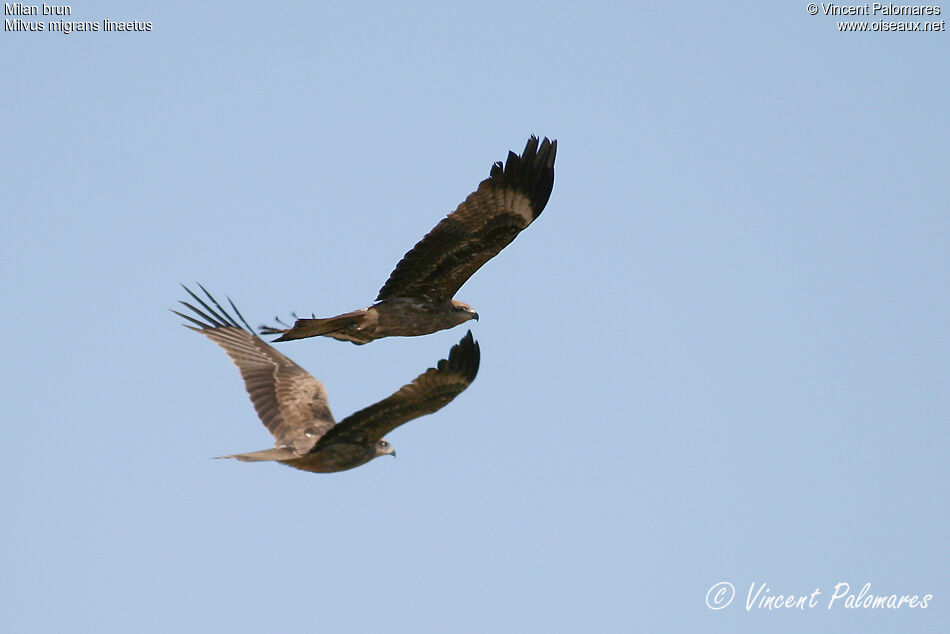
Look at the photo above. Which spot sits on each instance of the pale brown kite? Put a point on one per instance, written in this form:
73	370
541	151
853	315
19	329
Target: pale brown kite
293	405
417	297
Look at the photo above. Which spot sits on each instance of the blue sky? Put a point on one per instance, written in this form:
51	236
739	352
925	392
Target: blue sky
721	354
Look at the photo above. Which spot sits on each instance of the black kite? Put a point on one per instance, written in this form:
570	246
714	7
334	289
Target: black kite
293	405
417	297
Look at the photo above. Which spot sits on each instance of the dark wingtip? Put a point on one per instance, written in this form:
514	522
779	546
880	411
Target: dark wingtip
548	152
464	357
216	317
531	173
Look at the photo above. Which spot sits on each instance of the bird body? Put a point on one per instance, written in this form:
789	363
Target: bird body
398	317
323	458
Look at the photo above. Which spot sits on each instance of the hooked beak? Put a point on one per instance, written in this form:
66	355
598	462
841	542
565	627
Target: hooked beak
475	316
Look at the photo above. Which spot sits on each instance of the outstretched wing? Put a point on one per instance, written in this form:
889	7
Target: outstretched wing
290	402
485	223
430	392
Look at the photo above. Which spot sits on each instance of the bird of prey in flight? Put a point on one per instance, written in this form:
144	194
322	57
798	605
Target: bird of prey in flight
417	299
293	405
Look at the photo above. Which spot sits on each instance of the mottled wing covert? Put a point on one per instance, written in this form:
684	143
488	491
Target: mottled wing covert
485	223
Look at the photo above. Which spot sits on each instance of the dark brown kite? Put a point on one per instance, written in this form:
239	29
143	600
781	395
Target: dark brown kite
417	297
293	405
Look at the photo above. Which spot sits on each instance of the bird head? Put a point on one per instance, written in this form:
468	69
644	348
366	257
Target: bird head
383	448
463	312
